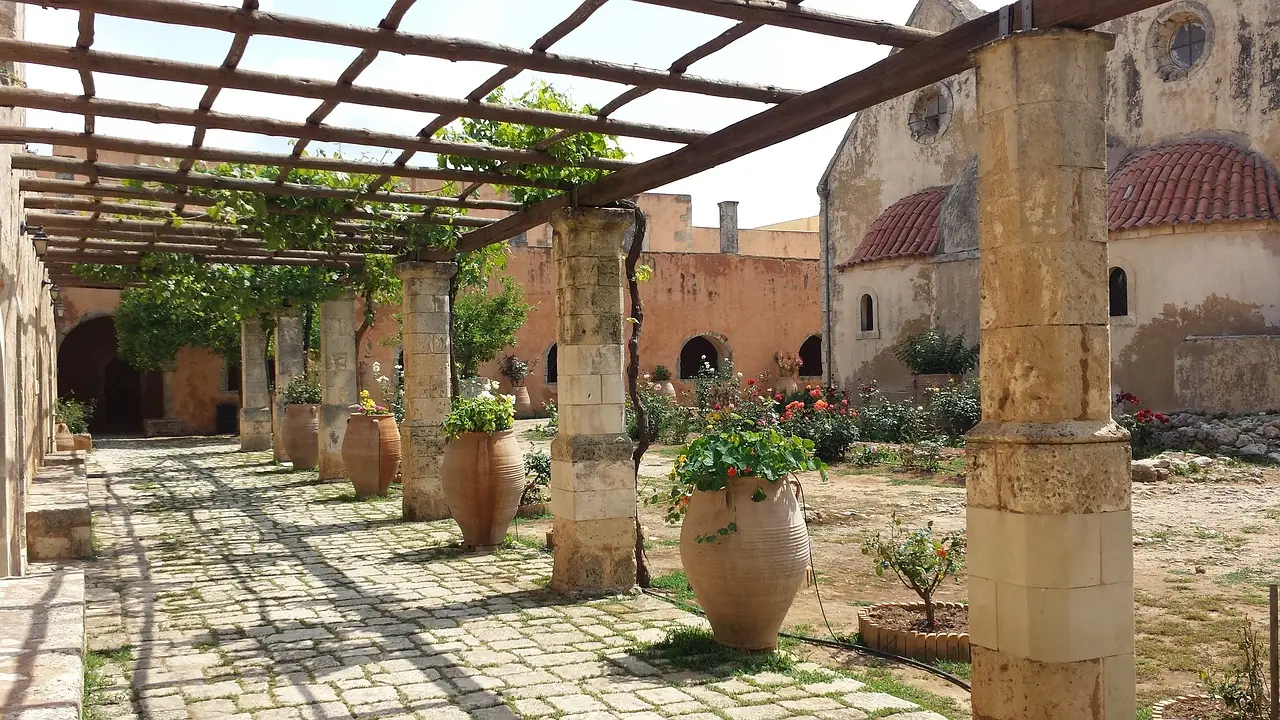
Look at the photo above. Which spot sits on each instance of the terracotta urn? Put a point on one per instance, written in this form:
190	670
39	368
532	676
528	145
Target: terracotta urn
787	386
63	439
746	580
483	478
302	435
524	406
371	453
668	388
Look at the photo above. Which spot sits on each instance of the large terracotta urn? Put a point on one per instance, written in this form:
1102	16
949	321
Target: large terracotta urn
302	435
483	478
63	439
371	453
668	388
746	580
787	386
524	406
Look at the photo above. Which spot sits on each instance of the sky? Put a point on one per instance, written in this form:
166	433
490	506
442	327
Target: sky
772	185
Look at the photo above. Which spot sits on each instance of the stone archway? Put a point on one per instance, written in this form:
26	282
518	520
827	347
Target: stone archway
89	370
699	351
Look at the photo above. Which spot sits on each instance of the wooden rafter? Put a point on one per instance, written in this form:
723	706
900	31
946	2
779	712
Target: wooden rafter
791	15
354	244
64	256
177	248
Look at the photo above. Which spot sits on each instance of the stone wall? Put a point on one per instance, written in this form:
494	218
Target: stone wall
1233	374
26	344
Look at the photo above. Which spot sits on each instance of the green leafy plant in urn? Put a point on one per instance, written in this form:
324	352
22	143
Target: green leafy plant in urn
371	448
483	470
743	543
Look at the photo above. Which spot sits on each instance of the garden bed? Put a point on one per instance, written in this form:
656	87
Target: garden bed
898	628
1189	707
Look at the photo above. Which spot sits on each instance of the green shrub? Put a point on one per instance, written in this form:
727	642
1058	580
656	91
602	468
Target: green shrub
934	352
1243	687
920	560
548	429
923	455
670	423
824	418
74	414
957	407
302	390
661	373
537	468
483	324
883	420
485	412
871	455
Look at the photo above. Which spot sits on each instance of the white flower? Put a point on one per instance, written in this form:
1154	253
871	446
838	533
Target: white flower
494	386
739	376
510	399
484	394
376	367
383	379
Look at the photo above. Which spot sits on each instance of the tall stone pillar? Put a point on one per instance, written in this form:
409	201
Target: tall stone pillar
255	413
1049	521
338	382
291	362
169	425
427	372
593	493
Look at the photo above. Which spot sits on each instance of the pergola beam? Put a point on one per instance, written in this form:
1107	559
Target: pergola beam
147	173
789	15
330	92
60	243
915	67
14	96
64	256
358	245
234	20
72	187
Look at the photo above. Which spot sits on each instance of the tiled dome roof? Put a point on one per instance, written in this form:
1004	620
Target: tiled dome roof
908	227
1192	181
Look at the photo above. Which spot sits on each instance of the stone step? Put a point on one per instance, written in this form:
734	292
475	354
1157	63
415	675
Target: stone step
58	515
42	644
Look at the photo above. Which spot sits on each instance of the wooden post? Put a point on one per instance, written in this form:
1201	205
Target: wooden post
1275	655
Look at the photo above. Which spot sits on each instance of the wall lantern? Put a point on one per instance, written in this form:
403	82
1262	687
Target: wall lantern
41	241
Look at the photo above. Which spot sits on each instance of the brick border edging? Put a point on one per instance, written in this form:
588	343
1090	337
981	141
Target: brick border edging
1157	710
908	643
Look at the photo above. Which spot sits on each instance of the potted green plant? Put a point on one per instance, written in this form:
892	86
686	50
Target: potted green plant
301	422
662	376
483	470
936	359
921	560
371	447
515	371
743	542
788	367
72	417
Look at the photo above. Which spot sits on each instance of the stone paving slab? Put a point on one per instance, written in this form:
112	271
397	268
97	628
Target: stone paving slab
42	644
242	590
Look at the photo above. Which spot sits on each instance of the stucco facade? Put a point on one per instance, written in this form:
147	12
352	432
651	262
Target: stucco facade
1206	274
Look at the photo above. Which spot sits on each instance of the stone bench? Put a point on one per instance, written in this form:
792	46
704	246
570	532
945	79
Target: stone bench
58	515
42	645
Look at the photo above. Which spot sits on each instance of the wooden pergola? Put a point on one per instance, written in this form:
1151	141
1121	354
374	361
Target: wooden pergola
97	218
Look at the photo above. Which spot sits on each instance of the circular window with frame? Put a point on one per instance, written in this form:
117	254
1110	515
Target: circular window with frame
1180	40
930	114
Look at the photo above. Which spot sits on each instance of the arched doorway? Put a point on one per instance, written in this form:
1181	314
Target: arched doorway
697	354
811	357
90	371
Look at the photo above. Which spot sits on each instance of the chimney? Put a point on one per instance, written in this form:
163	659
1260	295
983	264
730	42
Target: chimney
729	227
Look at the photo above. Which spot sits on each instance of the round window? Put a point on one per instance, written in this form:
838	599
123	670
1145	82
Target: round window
1187	45
930	114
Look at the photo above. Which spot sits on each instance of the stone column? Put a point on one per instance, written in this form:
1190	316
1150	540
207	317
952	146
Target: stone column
425	329
593	493
255	414
169	425
337	381
291	362
1049	521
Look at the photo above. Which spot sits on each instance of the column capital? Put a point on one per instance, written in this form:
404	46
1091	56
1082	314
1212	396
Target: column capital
293	311
592	230
406	269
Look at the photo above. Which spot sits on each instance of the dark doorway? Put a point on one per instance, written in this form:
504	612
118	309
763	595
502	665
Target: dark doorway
1118	291
696	355
811	357
553	365
90	371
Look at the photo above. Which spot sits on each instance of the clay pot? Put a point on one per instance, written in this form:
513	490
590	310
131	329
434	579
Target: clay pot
787	385
524	406
63	439
483	479
746	580
302	435
668	389
371	453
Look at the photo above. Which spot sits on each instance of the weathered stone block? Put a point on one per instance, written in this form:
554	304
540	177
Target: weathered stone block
333	428
590	232
1014	469
1044	66
592	419
588	329
594	555
423	445
593	504
594	475
1049	283
1046	373
591	360
1015	688
615	447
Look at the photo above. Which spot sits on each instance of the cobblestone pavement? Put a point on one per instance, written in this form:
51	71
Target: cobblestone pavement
228	587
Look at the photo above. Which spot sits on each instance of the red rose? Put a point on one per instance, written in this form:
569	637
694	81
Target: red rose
751	381
746	471
778	397
815	393
716	406
733	472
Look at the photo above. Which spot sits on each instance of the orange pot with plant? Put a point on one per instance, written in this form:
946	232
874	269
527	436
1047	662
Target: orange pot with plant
371	448
482	472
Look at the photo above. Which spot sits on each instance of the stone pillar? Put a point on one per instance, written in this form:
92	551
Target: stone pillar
593	493
1049	521
427	372
291	362
255	414
337	381
729	227
169	425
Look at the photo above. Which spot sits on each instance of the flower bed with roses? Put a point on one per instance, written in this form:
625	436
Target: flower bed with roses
823	417
1142	424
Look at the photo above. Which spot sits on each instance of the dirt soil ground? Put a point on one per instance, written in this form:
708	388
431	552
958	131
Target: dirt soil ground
1204	553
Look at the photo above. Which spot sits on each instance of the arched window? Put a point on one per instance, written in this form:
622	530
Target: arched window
1118	287
553	369
697	354
868	306
811	357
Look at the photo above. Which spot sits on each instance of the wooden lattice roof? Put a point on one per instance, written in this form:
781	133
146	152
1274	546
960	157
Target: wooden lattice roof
94	225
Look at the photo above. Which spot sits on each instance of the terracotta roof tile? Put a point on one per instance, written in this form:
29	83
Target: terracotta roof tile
908	227
1192	181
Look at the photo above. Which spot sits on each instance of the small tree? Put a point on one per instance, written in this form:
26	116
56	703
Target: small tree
934	352
484	323
1243	686
920	560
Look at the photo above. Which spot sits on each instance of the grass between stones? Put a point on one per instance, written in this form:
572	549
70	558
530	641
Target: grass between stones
96	682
